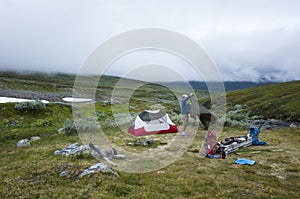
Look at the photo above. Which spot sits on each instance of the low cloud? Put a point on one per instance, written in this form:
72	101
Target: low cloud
247	40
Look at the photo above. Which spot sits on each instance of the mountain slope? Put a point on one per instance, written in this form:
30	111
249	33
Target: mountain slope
228	85
280	101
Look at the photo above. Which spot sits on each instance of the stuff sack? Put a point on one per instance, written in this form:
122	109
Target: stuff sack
254	132
211	142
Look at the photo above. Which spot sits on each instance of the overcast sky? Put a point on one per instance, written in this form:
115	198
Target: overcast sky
246	39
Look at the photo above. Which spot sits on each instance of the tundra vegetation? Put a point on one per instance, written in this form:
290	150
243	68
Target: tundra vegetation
34	171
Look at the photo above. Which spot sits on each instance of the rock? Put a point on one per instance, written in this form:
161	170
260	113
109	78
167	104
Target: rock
23	143
106	155
71	165
110	153
293	126
60	130
75	149
65	173
35	138
266	127
120	157
72	149
57	152
130	144
98	167
144	142
97	152
193	150
270	124
14	123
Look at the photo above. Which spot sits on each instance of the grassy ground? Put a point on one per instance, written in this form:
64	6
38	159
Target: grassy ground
280	101
33	172
36	82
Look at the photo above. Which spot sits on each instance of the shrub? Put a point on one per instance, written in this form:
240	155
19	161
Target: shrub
109	123
43	122
106	103
176	118
89	124
122	119
100	114
82	125
36	105
69	127
237	117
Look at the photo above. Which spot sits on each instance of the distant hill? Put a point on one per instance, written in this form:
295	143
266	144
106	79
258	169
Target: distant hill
229	86
279	101
68	80
269	99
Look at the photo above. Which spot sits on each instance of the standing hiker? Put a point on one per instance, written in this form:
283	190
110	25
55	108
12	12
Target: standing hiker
184	109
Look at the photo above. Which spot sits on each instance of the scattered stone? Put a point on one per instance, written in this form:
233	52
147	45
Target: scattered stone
60	130
144	142
160	172
267	127
130	144
65	173
23	143
76	149
98	167
14	123
120	157
163	142
112	154
272	124
106	102
71	165
35	138
107	156
72	149
193	150
293	126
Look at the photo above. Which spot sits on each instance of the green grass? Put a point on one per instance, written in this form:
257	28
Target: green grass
36	82
280	101
33	172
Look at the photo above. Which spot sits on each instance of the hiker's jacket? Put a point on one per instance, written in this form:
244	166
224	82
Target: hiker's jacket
184	106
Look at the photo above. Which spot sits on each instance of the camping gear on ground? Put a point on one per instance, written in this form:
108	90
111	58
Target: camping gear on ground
210	143
223	154
143	142
212	156
245	161
232	144
206	116
152	122
254	132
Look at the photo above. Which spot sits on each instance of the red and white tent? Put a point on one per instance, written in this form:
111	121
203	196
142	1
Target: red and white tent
152	122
